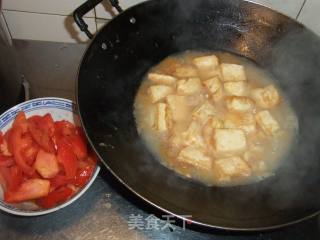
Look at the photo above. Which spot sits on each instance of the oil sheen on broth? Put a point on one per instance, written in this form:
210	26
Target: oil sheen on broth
214	117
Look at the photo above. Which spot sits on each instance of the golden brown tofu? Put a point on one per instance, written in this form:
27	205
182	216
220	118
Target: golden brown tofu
267	97
189	86
244	121
217	96
185	72
209	127
233	72
235	88
162	120
229	140
212	84
267	123
178	107
162	78
203	112
206	62
239	104
231	167
195	156
192	136
158	92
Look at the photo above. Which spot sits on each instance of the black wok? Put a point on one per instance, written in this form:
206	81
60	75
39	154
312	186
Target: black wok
123	51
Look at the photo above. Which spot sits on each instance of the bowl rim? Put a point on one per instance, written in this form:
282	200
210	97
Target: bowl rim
69	105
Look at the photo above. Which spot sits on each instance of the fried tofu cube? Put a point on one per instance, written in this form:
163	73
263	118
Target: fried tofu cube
235	88
239	104
233	72
192	136
229	140
206	62
158	92
162	78
178	107
203	112
162	118
209	127
212	84
185	72
195	156
217	96
267	123
231	167
267	97
244	121
189	86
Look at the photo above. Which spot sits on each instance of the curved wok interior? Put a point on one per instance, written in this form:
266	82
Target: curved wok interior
109	79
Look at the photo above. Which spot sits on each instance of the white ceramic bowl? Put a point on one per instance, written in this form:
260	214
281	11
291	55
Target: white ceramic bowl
60	109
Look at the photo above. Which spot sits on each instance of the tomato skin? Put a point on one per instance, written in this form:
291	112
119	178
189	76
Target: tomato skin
55	197
83	176
58	181
64	128
79	147
46	164
67	158
28	190
40	132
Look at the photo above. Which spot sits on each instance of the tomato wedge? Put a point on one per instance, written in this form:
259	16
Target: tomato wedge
6	161
28	190
41	133
12	176
56	197
79	147
21	121
18	144
64	128
67	158
46	164
83	176
58	181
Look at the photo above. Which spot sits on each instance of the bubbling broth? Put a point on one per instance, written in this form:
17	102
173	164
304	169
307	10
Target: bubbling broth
214	117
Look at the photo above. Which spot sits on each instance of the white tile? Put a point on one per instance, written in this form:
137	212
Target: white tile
310	16
101	22
105	10
62	7
45	27
288	7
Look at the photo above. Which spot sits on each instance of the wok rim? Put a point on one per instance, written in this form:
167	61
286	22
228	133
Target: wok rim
145	199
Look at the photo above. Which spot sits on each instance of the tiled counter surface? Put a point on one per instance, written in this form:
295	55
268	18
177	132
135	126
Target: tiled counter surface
48	20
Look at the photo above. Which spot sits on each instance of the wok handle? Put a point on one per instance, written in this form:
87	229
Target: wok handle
85	8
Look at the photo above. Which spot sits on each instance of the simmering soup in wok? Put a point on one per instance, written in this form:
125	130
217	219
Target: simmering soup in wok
214	117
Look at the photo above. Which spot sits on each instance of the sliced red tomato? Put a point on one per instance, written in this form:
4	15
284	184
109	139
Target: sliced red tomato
7	138
64	128
1	137
47	124
55	197
28	190
58	181
67	158
83	176
46	164
21	121
6	161
40	134
79	146
12	176
30	153
18	144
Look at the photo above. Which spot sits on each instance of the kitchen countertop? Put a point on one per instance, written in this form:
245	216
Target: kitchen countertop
107	210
